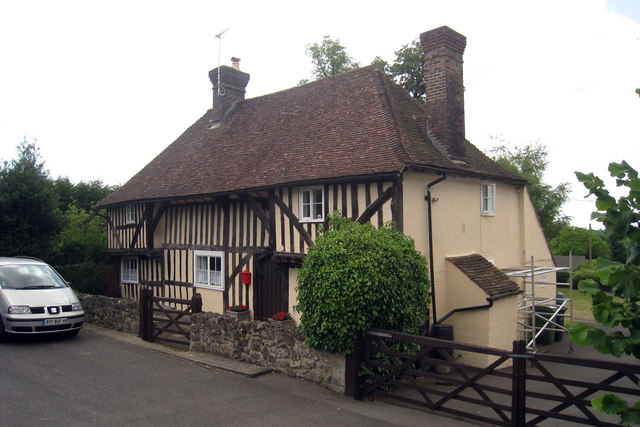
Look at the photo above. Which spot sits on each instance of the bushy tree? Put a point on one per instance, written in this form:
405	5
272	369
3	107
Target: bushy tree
408	70
356	277
616	302
576	240
329	58
30	217
531	162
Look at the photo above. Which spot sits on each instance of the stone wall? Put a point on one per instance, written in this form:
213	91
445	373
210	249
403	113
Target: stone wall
276	345
113	313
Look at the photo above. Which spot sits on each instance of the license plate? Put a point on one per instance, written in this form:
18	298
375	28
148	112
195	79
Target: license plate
56	321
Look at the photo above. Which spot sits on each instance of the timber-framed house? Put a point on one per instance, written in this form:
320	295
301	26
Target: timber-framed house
249	184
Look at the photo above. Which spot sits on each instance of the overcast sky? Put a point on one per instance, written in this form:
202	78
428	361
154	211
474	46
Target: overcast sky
103	87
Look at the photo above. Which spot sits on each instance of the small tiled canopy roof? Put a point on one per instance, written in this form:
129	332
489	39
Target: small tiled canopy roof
492	281
359	123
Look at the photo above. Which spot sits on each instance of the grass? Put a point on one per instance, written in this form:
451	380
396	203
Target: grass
581	306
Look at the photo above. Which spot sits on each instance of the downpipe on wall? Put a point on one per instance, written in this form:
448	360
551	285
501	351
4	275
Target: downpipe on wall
430	240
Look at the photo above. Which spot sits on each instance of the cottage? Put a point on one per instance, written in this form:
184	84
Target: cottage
248	185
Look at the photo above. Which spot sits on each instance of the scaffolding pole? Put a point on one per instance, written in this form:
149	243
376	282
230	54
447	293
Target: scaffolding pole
548	312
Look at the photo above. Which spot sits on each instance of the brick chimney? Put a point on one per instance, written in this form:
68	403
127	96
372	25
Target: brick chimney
443	49
229	91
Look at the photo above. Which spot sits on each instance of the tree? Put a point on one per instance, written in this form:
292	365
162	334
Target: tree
30	217
329	58
83	195
576	240
356	277
531	162
621	305
408	70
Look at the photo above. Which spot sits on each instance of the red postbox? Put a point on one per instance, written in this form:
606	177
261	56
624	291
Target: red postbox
245	277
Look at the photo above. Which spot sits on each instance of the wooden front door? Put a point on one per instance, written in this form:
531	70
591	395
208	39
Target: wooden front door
271	294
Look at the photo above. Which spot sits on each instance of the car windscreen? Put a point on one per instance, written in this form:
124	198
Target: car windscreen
23	276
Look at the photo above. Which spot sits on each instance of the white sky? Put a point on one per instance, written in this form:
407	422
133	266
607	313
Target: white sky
105	86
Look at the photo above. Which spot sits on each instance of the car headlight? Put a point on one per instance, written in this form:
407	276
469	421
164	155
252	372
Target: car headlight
76	306
19	309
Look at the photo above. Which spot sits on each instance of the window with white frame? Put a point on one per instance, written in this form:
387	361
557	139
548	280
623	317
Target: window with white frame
311	204
129	270
488	198
209	270
130	214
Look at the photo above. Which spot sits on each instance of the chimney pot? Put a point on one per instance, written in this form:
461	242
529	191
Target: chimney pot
443	49
235	63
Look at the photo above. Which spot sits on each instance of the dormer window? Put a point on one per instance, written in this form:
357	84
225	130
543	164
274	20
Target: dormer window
311	204
130	214
488	199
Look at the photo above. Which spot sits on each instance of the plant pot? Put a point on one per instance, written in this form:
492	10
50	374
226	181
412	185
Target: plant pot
239	315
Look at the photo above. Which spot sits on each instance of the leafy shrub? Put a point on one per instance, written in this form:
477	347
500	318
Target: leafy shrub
86	277
356	277
585	271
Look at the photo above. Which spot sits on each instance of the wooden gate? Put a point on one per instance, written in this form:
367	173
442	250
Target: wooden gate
167	319
517	388
271	293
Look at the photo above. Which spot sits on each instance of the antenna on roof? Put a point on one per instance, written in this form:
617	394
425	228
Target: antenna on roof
219	37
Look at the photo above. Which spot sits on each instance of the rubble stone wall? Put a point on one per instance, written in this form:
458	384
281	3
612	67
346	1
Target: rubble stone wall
276	345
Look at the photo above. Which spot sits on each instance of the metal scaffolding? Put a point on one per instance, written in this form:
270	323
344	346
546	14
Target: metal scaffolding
537	314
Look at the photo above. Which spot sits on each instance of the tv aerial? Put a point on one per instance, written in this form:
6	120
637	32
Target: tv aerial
219	37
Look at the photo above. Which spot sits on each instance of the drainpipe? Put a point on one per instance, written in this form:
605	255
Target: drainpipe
430	229
477	307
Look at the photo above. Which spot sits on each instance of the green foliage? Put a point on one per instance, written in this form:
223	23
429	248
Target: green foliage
29	214
356	277
621	305
576	240
329	58
32	222
585	271
408	70
83	238
531	162
84	195
86	277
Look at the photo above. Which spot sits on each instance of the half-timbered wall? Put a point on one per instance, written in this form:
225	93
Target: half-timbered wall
122	235
352	200
165	236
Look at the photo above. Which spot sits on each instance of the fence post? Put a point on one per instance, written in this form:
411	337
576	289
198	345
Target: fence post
144	315
518	386
352	379
196	303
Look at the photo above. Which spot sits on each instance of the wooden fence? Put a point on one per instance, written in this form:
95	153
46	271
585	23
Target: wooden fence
517	388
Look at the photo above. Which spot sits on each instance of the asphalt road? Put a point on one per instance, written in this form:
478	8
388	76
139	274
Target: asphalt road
97	380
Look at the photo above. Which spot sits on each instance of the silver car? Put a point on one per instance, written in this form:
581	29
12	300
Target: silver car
35	299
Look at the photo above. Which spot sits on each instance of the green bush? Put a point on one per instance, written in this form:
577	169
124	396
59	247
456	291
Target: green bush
356	277
86	277
584	271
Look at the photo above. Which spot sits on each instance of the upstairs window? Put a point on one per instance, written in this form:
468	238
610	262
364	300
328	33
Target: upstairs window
488	199
209	270
311	204
129	270
130	214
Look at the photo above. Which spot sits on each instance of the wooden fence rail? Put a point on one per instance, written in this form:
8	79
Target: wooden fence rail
516	388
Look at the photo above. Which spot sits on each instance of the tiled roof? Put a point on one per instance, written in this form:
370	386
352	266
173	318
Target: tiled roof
484	274
359	123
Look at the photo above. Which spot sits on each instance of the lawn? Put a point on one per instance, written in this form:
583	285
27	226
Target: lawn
582	306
